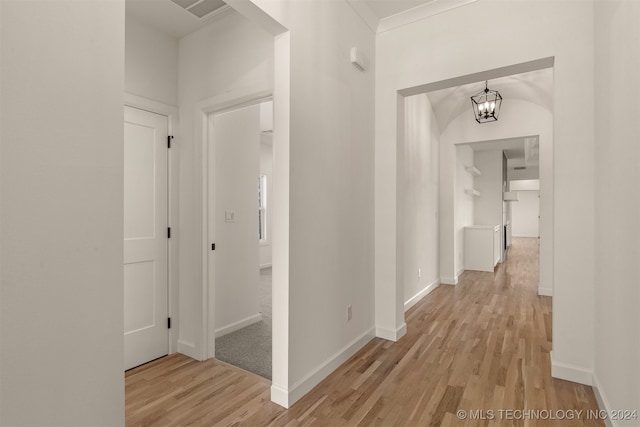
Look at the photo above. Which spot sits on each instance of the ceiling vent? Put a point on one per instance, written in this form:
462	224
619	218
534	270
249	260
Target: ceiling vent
200	8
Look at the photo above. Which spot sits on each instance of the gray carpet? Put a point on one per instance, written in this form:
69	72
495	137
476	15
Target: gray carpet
249	348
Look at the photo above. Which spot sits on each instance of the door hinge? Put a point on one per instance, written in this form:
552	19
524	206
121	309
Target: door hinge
169	138
168	322
168	232
213	246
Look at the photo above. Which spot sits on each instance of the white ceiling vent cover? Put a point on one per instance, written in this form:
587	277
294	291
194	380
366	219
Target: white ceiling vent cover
200	8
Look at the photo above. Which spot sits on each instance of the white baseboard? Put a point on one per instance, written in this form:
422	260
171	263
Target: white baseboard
423	293
287	398
279	396
570	372
391	335
238	325
547	292
603	402
449	280
188	349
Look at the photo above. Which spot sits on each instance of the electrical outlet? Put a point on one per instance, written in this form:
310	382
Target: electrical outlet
419	273
349	313
229	216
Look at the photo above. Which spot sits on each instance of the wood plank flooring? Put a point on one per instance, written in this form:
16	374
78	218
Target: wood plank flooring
480	346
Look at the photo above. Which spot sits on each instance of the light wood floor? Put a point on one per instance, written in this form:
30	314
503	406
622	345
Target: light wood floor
481	345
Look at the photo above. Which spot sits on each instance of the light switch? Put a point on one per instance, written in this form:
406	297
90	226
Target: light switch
229	216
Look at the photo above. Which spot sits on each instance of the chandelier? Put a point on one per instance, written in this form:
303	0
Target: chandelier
486	105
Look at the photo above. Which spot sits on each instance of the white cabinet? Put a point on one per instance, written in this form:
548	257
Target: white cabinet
481	247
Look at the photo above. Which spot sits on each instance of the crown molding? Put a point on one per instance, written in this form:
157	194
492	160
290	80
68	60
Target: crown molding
417	13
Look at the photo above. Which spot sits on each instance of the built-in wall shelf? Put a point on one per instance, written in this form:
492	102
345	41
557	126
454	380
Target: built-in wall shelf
472	192
510	196
472	170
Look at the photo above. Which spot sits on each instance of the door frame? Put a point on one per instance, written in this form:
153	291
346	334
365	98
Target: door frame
395	240
171	112
204	110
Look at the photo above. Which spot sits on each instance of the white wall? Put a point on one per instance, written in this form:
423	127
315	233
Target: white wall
524	184
617	249
151	63
523	174
464	206
266	169
331	191
236	138
229	55
487	208
61	206
524	214
420	198
445	46
331	186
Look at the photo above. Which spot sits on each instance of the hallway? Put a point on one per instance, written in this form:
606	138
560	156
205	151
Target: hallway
481	345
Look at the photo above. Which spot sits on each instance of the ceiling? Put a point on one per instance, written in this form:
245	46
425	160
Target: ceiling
178	18
386	8
384	15
520	151
171	17
533	86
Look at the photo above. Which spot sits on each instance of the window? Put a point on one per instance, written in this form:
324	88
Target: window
262	208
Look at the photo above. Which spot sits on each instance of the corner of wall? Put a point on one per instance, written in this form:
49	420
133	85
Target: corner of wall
449	280
546	292
287	397
423	293
188	349
235	326
280	396
570	372
391	335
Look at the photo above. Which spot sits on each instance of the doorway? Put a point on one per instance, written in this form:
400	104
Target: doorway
449	104
240	168
201	56
146	181
525	214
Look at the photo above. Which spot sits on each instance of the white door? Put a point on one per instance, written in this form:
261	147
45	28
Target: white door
146	334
